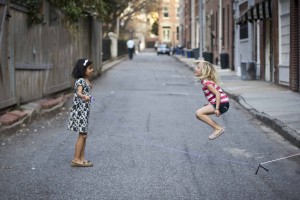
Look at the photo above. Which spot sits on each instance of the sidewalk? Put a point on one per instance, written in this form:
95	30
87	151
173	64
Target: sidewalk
275	106
14	119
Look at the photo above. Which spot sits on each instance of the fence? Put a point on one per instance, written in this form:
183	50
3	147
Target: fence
122	47
41	58
106	49
7	84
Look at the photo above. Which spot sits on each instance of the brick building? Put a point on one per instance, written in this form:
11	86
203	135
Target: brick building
273	29
295	46
219	32
168	30
260	37
187	24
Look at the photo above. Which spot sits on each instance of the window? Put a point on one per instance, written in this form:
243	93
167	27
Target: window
284	32
178	13
243	31
166	12
243	27
166	33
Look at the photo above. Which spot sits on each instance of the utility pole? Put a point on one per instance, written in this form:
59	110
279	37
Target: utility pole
193	25
181	27
200	29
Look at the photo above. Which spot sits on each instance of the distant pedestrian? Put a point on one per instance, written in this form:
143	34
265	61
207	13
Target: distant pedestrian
130	48
218	100
80	110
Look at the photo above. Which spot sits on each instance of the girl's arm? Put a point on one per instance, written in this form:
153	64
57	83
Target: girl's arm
81	95
218	98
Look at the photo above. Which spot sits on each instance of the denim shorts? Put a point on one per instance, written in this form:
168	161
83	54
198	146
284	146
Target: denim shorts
223	107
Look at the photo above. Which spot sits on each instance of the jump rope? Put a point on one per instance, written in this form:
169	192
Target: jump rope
223	160
260	165
210	156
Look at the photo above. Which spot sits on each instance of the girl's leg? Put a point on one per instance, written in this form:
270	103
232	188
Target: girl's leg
202	114
78	148
83	149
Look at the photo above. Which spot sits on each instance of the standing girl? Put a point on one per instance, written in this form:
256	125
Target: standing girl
218	100
80	110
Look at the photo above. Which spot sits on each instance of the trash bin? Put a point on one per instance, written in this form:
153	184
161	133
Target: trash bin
196	53
224	60
179	50
189	53
248	70
208	56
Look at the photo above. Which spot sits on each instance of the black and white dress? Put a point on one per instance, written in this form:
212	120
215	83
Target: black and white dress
80	110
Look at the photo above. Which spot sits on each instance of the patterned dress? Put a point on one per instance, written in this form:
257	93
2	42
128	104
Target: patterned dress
80	110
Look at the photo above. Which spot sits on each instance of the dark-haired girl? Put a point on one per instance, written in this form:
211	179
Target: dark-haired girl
80	110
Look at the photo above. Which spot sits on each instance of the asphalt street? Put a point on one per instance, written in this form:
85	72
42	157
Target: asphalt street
146	143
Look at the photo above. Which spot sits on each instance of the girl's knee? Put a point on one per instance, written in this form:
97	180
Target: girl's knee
198	114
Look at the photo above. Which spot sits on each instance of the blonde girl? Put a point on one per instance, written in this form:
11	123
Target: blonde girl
218	101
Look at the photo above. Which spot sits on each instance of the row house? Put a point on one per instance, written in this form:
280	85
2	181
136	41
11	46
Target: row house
260	38
219	35
269	29
215	32
254	41
168	30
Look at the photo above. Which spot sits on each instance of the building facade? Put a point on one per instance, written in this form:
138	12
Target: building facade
272	31
219	31
260	37
168	30
215	35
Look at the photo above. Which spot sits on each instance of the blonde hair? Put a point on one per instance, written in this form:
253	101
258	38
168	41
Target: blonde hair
208	72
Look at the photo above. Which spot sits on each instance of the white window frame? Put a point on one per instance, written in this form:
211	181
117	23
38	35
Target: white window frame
166	12
166	34
284	40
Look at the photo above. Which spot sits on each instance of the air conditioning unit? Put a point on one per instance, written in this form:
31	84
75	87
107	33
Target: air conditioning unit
248	70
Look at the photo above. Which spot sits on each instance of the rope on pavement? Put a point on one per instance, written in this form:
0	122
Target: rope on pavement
260	165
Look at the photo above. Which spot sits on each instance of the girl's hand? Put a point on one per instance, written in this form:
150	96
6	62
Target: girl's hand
217	112
86	98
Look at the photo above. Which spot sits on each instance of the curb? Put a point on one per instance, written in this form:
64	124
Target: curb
280	127
28	112
109	64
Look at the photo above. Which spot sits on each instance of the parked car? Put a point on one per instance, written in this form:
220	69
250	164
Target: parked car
163	49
